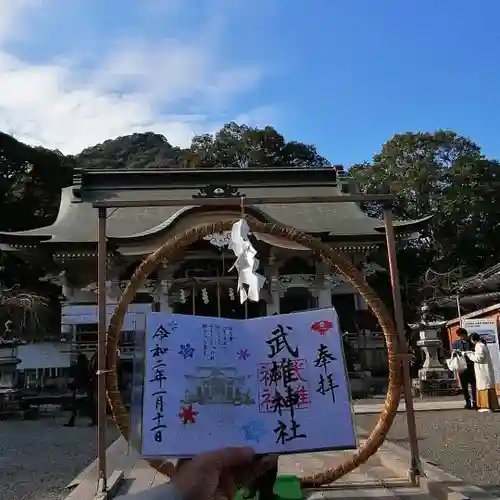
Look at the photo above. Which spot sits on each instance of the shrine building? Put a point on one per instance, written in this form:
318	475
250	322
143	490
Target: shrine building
201	283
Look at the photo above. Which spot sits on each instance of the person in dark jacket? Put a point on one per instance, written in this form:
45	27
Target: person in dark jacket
81	383
92	392
467	377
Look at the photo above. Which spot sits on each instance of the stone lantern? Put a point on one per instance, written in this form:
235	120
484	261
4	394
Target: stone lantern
433	377
8	365
8	359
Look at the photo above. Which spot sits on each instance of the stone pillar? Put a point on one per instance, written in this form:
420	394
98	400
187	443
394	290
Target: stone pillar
324	298
324	292
165	280
271	272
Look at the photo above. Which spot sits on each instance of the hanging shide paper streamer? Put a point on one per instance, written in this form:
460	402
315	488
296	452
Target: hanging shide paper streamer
204	296
182	296
246	262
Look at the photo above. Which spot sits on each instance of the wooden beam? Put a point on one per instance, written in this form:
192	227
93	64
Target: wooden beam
237	201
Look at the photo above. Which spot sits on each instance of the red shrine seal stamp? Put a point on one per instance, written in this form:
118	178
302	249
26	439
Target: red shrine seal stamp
322	327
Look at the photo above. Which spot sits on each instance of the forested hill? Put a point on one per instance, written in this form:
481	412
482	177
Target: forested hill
134	152
233	146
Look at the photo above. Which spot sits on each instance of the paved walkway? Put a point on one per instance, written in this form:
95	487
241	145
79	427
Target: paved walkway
384	476
367	406
370	480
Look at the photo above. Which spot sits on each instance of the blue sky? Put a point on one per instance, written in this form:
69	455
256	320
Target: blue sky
344	75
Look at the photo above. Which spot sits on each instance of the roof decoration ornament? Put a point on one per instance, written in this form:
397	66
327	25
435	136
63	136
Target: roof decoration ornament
218	191
219	240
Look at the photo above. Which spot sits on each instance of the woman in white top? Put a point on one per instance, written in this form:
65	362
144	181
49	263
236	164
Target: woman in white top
485	377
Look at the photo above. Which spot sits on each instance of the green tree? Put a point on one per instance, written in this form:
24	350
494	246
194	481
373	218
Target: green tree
445	175
241	146
412	166
31	179
468	220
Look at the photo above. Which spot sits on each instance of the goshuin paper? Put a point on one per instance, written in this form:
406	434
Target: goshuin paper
276	383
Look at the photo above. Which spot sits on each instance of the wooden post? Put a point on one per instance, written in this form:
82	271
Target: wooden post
416	466
459	310
101	350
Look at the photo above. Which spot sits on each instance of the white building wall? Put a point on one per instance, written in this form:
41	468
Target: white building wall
43	355
135	318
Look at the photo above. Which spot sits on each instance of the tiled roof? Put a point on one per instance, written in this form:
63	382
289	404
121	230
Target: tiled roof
77	219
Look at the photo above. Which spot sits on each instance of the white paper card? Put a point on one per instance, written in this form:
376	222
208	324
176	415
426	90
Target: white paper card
276	383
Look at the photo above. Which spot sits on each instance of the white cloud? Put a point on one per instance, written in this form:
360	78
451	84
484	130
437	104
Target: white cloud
171	71
170	88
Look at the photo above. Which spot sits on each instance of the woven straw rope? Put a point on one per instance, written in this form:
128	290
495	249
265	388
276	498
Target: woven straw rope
173	250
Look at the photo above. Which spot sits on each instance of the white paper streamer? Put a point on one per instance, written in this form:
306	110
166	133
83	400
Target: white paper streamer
246	262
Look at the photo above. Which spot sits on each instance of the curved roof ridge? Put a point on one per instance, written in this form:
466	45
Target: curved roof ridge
174	217
159	227
76	221
403	223
47	231
67	198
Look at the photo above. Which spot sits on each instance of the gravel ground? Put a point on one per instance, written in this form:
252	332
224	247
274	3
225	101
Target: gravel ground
39	458
464	443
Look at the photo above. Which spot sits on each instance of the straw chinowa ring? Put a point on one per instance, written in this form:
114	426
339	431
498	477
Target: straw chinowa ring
174	248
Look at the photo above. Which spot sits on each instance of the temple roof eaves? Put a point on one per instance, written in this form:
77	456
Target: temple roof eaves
76	222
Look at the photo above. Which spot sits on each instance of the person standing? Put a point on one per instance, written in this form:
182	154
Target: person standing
92	390
467	377
486	394
81	384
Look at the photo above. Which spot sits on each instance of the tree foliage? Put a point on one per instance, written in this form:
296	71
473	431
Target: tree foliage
31	179
446	175
240	146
